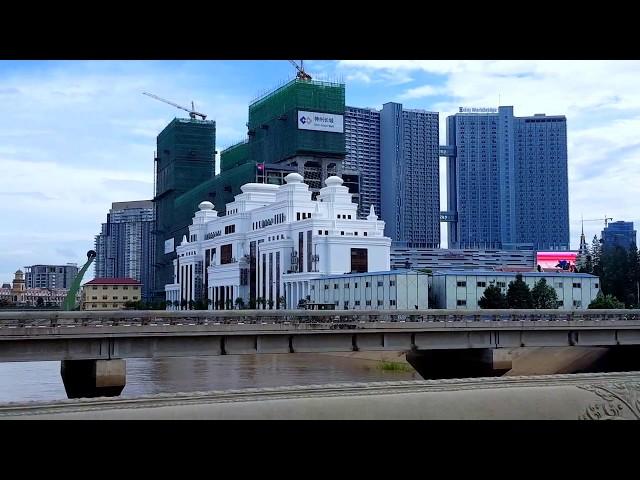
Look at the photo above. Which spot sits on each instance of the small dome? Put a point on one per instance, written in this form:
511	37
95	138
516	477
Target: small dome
205	205
258	187
333	181
293	178
19	272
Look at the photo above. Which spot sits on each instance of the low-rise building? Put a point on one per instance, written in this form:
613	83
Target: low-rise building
395	289
18	295
110	293
462	289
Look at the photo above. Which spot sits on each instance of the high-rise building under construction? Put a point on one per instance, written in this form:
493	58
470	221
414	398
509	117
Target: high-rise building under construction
298	127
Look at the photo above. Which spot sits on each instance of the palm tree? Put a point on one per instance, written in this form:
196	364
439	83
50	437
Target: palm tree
239	303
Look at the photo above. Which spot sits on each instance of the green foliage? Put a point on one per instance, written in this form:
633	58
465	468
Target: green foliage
252	303
518	294
606	302
544	295
239	303
395	366
282	302
493	298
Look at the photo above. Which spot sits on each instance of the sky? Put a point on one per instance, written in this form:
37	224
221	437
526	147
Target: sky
76	136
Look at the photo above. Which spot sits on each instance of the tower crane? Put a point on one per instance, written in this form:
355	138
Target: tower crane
192	111
302	75
606	220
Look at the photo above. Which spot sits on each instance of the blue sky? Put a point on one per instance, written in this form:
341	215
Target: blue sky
76	136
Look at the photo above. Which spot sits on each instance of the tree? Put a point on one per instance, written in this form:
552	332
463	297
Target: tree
518	294
605	302
493	298
282	302
209	302
228	304
544	295
191	304
252	303
270	303
40	302
596	251
239	303
183	303
176	303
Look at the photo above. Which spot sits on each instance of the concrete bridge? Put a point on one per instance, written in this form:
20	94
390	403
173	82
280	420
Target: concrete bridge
93	346
553	397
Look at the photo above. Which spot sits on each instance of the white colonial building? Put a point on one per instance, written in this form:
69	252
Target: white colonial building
271	243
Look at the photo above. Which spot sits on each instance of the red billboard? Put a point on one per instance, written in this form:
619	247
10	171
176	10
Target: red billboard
556	261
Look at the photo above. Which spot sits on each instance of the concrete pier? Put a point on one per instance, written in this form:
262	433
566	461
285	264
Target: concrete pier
93	378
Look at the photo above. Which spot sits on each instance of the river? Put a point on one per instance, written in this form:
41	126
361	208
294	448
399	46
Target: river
27	381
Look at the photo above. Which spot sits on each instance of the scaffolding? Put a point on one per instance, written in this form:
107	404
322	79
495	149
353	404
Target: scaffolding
235	155
273	122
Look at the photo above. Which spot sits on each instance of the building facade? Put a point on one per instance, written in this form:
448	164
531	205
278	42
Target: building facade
185	158
362	140
110	293
461	290
125	247
391	290
19	295
410	176
50	276
459	259
507	181
618	234
271	243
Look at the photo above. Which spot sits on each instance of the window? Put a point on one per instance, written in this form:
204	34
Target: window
482	284
380	302
367	284
326	287
392	302
104	297
94	298
341	233
359	262
346	303
501	284
104	287
94	287
125	288
225	253
104	305
346	285
357	303
365	234
319	232
326	232
595	285
355	285
380	283
335	286
559	284
577	303
392	283
337	303
125	298
461	302
114	298
135	288
368	302
577	285
229	229
349	217
462	284
135	298
93	305
560	303
297	215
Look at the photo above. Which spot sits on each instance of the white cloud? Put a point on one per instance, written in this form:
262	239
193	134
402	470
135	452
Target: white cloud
420	92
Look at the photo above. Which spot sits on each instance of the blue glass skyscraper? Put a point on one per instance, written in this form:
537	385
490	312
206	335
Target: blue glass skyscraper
508	180
618	234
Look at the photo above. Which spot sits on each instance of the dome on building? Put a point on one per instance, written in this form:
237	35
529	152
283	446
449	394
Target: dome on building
333	181
293	178
19	272
205	205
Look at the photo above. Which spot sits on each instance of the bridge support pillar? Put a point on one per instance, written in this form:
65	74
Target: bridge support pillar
437	364
93	378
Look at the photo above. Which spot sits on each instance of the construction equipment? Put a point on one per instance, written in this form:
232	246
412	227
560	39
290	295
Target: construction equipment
192	111
606	220
70	299
302	75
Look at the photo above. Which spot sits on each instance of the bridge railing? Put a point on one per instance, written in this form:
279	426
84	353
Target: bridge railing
49	319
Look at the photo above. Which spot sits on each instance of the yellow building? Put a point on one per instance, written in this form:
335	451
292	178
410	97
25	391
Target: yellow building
110	293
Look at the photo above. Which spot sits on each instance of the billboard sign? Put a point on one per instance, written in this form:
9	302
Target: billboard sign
323	122
555	261
168	246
